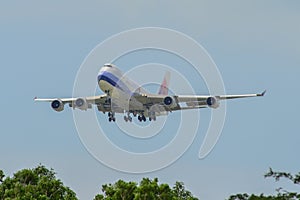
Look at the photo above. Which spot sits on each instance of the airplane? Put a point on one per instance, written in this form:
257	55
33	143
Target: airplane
122	95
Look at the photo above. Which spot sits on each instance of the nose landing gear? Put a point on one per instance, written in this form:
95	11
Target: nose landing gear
152	116
128	118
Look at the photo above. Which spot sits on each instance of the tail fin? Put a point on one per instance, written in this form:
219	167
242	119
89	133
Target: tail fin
165	84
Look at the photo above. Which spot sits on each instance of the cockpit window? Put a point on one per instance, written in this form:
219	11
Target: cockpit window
108	65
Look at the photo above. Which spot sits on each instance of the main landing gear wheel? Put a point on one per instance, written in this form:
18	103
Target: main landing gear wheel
111	117
141	118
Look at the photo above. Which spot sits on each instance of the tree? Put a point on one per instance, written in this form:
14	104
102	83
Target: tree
281	193
1	176
147	190
37	183
180	192
120	190
150	189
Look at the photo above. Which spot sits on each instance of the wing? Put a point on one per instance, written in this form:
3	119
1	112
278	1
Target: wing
83	103
184	102
147	104
91	99
223	97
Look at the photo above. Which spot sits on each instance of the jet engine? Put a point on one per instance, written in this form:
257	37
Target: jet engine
57	105
81	103
170	101
212	102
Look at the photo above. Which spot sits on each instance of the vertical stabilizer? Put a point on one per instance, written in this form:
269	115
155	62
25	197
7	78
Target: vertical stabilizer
165	84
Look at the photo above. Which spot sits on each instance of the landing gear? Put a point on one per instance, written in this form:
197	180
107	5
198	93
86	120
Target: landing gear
134	113
127	117
141	118
152	116
111	119
111	116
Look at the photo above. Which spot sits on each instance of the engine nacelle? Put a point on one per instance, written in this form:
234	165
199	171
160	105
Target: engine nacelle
81	103
212	102
57	105
170	101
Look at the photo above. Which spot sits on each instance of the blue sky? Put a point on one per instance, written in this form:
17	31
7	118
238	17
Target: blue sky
255	45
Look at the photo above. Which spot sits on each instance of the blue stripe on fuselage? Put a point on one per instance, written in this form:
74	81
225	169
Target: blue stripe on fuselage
113	80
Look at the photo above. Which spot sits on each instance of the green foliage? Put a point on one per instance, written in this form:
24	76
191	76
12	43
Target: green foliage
41	183
180	192
277	175
38	183
1	176
147	190
286	195
150	189
119	190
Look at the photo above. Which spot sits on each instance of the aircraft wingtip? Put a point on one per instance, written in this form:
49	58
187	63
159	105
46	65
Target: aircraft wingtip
263	93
